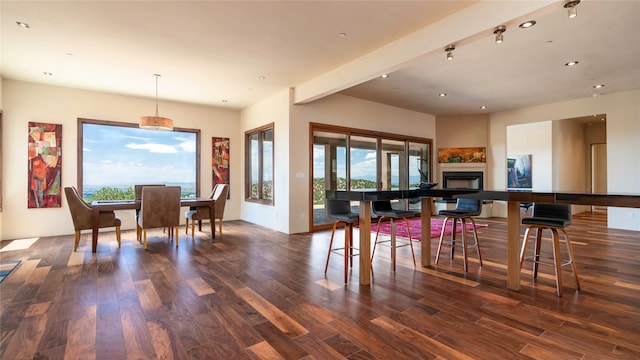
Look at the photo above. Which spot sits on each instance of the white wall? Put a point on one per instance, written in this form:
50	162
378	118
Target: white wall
24	102
272	110
534	139
623	131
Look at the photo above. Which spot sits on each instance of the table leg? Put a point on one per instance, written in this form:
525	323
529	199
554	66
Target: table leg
212	212
365	242
95	220
513	245
425	244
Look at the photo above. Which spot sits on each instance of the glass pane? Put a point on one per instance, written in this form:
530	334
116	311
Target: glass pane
363	164
253	166
419	169
116	158
267	165
394	175
419	164
329	170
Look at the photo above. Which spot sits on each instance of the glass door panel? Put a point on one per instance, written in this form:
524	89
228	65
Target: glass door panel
363	161
419	168
329	170
393	165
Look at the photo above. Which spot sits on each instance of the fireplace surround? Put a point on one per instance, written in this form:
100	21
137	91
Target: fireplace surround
463	180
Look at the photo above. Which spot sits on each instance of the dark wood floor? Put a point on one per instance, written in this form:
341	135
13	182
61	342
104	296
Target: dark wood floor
260	294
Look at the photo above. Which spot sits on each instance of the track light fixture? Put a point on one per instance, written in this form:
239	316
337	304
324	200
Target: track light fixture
570	5
449	52
498	32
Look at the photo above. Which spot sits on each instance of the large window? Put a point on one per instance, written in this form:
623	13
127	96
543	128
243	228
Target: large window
259	168
115	156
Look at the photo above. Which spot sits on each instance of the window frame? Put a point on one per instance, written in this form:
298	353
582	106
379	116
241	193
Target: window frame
80	144
248	164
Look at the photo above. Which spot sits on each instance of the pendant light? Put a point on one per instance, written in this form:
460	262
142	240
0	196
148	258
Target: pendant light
156	122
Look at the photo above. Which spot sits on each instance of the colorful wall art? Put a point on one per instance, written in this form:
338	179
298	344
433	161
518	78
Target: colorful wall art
462	155
45	164
220	160
519	172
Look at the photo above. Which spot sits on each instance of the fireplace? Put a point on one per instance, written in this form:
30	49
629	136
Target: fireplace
462	180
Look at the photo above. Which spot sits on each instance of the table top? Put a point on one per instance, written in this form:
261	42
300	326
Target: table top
561	197
106	205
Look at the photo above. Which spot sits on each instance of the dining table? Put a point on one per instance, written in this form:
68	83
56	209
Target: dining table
98	206
513	198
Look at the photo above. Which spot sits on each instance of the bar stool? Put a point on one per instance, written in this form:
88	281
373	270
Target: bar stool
555	217
340	211
465	209
384	211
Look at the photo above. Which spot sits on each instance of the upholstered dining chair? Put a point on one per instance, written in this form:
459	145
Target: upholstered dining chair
81	214
199	213
464	212
137	190
159	208
556	218
385	211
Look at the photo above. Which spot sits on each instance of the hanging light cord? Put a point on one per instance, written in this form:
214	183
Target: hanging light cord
157	76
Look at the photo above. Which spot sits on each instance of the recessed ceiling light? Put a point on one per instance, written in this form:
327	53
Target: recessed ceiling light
571	63
598	86
483	107
442	94
48	73
224	101
23	24
384	76
527	24
262	77
342	35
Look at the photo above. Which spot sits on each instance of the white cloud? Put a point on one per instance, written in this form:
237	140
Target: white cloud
154	148
86	149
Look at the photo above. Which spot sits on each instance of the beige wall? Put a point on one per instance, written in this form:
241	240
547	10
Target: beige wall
24	102
534	139
623	129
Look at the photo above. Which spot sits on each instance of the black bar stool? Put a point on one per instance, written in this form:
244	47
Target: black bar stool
465	209
384	210
340	211
555	217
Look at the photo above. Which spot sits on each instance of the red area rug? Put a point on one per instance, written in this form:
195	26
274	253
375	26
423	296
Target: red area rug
416	229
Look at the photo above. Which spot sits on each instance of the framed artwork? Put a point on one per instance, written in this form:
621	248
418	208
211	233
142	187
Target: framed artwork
519	172
220	160
462	155
45	164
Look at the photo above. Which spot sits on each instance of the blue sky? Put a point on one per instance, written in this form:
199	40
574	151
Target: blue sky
115	155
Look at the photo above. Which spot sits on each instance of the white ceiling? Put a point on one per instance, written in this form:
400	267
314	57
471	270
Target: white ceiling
215	52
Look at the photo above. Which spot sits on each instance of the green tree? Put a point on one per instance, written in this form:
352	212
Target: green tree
110	193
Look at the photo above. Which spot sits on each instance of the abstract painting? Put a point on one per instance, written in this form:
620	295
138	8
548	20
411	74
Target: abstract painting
519	172
462	155
220	160
45	164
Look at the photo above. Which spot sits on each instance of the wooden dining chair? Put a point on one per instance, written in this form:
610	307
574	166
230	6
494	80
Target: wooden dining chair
137	191
159	208
81	214
199	213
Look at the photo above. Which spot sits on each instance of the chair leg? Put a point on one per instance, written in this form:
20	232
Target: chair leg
463	224
452	246
524	246
571	259
75	246
557	262
176	232
213	222
373	252
347	252
393	242
144	235
326	267
193	229
118	236
475	236
444	226
410	241
536	252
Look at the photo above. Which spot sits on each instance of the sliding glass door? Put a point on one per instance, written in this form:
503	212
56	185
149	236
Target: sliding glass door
355	159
